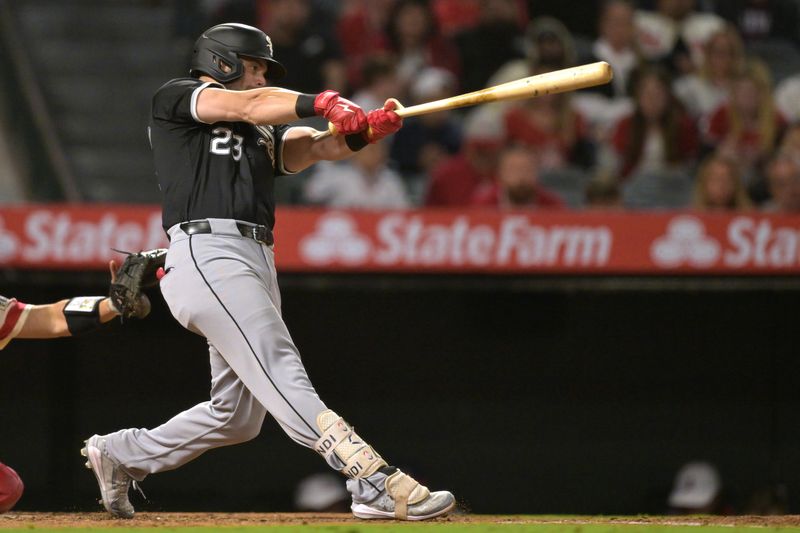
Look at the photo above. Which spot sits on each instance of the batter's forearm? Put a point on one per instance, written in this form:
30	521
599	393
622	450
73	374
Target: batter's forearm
304	146
270	105
336	148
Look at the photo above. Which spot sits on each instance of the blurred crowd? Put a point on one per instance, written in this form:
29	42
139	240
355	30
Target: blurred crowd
703	111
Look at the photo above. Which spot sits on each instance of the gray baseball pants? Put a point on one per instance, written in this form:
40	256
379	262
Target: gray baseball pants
223	286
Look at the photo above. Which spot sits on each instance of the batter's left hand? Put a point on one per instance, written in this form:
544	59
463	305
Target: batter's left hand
385	121
345	116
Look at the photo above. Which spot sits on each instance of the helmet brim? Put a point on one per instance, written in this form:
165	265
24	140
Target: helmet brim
275	70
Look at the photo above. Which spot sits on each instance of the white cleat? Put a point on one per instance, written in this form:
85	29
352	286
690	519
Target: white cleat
112	480
405	499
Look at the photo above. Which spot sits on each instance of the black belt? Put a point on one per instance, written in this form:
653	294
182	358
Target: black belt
257	233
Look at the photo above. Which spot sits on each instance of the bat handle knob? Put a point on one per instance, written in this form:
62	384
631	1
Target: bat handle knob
397	104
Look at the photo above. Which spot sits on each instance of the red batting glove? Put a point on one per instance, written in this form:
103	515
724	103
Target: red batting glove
345	116
383	122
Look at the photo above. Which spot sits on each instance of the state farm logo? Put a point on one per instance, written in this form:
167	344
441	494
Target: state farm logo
9	244
407	239
686	242
336	239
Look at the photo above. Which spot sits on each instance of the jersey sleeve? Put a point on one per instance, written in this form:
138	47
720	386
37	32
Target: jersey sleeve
12	317
280	136
176	100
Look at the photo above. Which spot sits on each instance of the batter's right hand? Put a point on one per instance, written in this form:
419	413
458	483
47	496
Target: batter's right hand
343	114
385	121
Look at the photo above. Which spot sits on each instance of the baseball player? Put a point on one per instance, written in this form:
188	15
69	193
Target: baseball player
60	319
219	140
64	318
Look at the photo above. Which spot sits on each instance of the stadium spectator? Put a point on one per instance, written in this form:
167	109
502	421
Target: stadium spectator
790	142
517	184
380	82
748	127
415	39
698	490
616	45
456	15
548	123
604	105
361	32
364	181
787	98
581	21
550	126
674	34
492	42
705	90
760	20
548	46
658	136
783	179
312	58
603	192
719	187
424	141
454	180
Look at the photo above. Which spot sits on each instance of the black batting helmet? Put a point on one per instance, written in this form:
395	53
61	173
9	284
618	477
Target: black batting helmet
228	42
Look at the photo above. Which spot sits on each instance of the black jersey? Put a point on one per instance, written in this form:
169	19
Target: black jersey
220	170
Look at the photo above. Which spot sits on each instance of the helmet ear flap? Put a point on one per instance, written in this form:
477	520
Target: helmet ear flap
231	68
222	65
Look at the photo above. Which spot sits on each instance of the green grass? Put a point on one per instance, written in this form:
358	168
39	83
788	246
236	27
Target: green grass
425	528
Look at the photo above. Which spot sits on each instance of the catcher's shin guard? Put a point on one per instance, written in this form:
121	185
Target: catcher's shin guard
339	438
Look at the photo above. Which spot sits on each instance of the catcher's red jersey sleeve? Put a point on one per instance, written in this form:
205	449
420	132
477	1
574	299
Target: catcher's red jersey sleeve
12	318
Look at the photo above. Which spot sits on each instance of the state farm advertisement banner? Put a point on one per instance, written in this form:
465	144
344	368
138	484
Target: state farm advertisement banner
538	242
433	241
55	236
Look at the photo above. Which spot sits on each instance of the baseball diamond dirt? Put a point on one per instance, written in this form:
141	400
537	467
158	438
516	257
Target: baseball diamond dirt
99	520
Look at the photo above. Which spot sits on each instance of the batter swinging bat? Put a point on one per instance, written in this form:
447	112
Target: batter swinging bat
557	81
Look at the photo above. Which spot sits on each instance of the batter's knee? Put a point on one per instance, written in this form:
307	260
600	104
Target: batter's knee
238	433
238	428
239	423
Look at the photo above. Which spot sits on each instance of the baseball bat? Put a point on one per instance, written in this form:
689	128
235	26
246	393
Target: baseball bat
557	81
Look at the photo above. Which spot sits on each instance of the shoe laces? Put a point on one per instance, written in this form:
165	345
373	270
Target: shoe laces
138	488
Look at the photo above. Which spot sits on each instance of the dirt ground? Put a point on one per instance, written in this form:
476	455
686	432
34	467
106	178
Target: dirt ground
89	520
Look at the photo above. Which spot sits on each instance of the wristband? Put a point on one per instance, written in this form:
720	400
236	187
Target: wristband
83	314
304	106
355	141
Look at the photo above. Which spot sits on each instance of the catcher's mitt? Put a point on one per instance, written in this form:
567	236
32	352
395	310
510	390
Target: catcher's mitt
136	273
